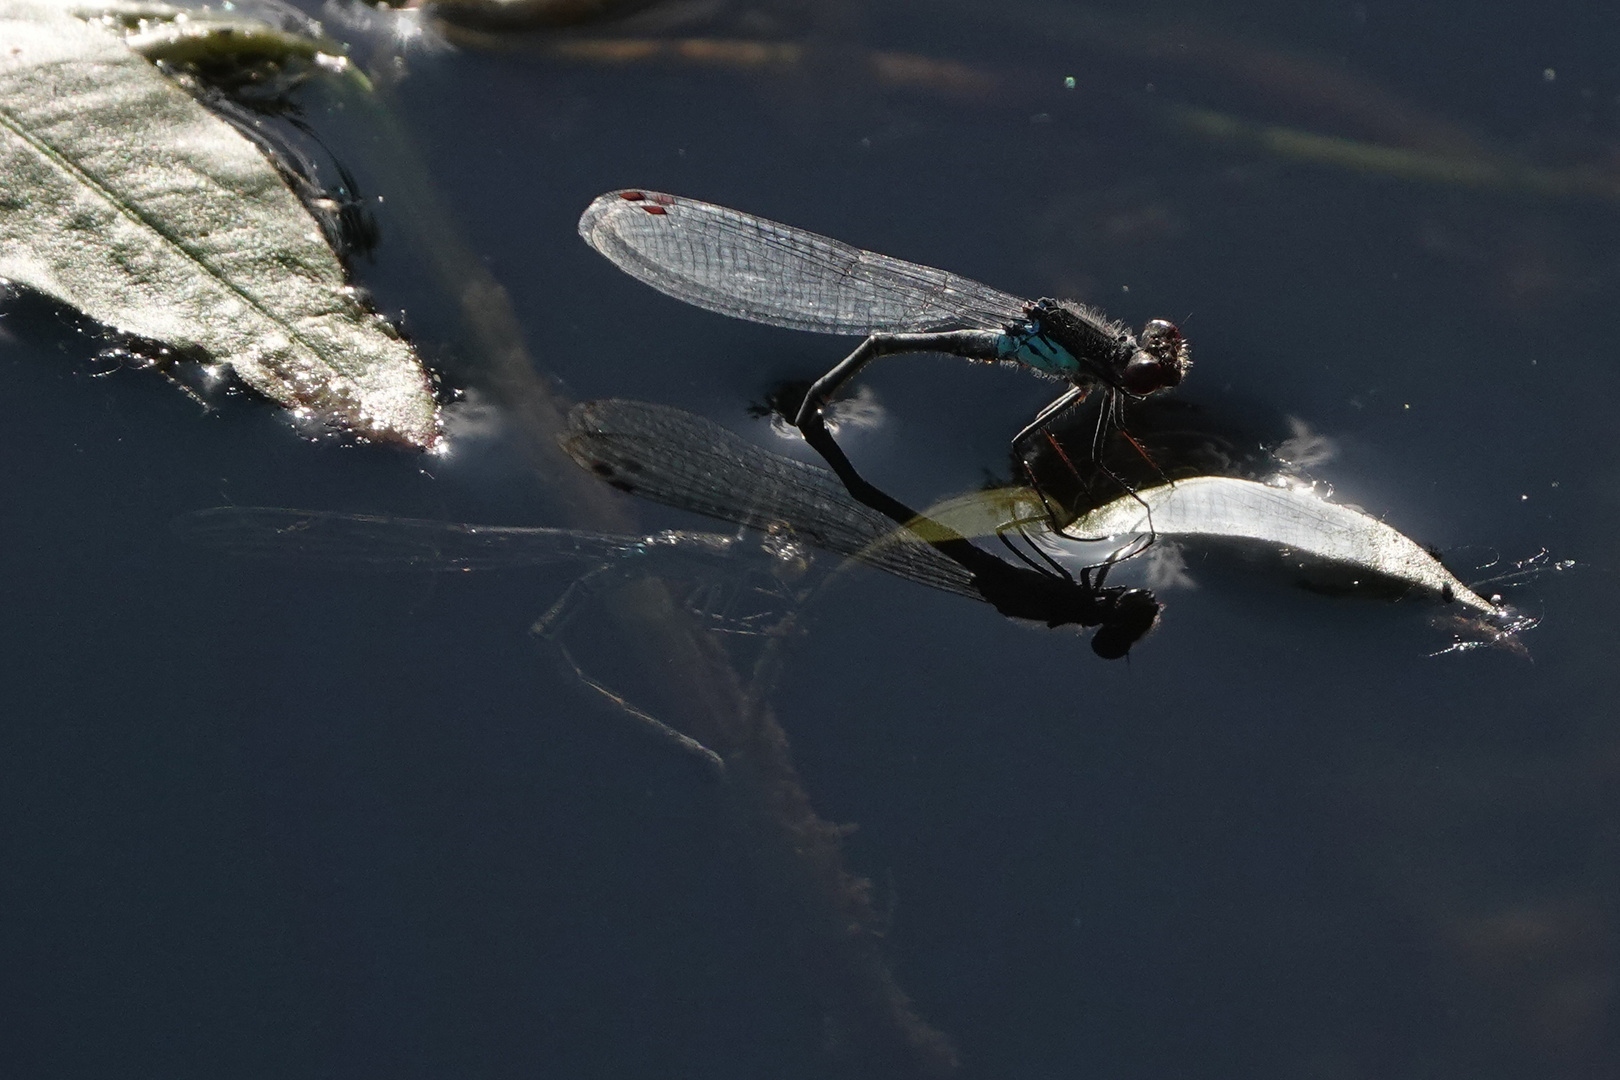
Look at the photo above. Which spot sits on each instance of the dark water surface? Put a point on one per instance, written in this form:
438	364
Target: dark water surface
274	819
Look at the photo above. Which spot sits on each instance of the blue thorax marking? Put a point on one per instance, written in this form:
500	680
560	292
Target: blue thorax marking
1025	343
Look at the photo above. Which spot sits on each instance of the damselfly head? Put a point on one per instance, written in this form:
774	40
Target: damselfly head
1132	613
1161	360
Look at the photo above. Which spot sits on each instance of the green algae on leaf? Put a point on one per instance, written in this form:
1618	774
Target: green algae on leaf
127	200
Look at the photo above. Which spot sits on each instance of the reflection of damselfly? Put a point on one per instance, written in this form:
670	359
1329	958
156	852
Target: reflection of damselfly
683	460
749	268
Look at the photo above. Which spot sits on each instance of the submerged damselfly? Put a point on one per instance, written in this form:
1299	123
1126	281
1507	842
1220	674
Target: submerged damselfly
674	457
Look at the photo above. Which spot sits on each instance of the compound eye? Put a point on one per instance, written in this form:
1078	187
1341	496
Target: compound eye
1163	341
1159	333
1146	374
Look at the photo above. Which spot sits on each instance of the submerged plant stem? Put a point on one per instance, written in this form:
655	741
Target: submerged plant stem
825	909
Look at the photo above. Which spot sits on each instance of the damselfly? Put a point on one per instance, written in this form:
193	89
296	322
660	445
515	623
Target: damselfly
683	460
750	268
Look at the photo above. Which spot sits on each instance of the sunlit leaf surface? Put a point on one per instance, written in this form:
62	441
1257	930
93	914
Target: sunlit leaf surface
1298	520
127	200
1295	520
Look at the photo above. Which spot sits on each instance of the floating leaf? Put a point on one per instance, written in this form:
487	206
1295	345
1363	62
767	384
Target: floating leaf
127	200
1296	520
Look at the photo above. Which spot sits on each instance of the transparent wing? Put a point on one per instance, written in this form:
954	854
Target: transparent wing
682	460
662	453
389	543
665	454
749	268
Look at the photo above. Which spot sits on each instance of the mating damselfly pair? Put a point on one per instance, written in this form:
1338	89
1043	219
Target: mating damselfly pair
736	264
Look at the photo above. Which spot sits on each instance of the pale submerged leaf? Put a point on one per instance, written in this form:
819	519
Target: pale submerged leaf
1298	520
127	200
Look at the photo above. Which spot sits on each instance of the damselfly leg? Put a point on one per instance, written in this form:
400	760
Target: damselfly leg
1109	420
1092	577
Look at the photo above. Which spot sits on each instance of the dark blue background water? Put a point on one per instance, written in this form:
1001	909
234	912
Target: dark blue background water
271	819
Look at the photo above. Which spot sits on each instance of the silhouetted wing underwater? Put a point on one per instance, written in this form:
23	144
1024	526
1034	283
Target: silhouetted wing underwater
662	453
673	457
